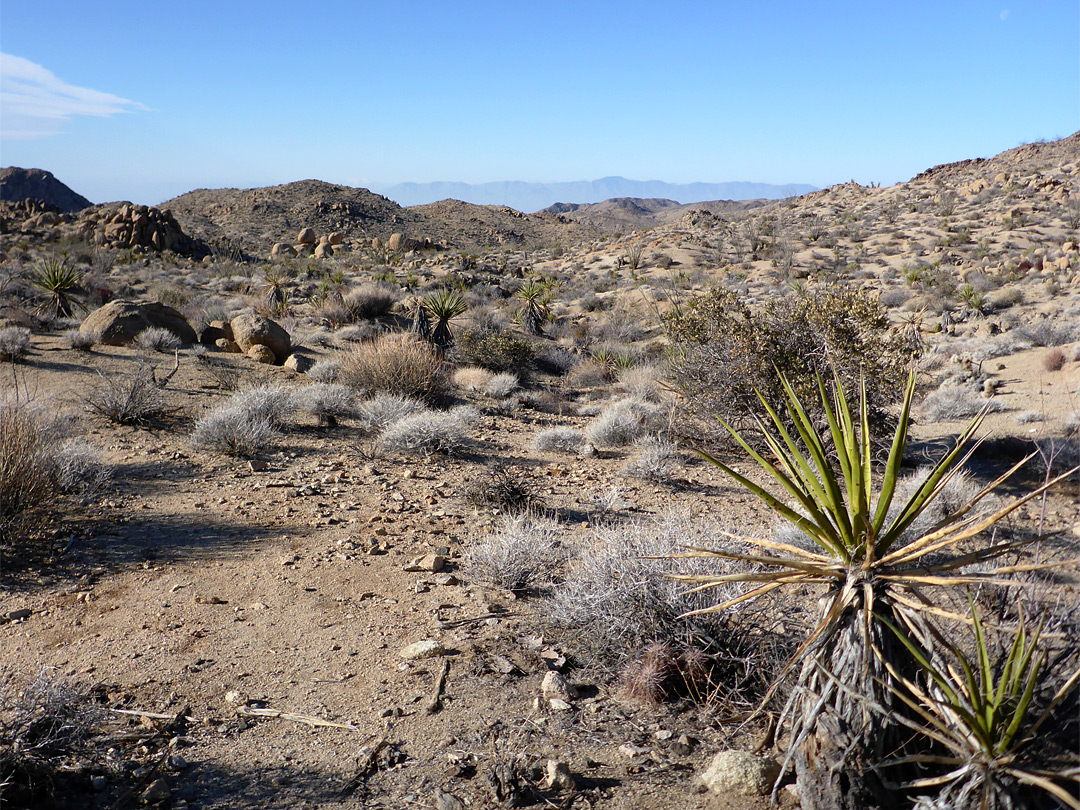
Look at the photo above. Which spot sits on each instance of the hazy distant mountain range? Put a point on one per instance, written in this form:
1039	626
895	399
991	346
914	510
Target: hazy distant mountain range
531	197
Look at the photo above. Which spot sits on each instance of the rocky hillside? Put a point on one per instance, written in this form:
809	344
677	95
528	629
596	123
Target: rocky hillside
37	184
624	214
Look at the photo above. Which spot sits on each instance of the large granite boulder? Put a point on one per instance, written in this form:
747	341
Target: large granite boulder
118	322
250	330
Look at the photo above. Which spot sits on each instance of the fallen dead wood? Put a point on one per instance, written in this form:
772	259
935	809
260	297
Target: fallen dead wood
274	714
434	703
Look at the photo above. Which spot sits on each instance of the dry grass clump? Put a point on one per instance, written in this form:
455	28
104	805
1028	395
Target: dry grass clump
654	460
473	378
265	402
954	401
588	373
559	439
383	410
39	462
328	402
430	431
157	339
618	597
370	301
642	382
622	422
398	364
79	340
14	342
503	488
1054	360
131	398
501	385
523	551
42	729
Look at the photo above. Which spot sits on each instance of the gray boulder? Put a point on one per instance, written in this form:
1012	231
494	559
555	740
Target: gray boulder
118	322
255	330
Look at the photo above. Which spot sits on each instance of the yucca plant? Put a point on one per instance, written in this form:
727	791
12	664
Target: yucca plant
982	713
277	280
842	710
444	306
535	296
59	280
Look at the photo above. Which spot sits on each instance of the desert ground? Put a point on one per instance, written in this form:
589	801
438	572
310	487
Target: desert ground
350	609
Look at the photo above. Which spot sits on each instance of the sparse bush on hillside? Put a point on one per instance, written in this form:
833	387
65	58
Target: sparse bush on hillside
242	426
623	421
127	398
370	301
654	460
618	598
559	439
1049	331
503	488
157	339
39	462
79	340
955	401
493	348
14	342
383	410
430	432
501	385
395	365
325	370
328	402
722	350
524	551
43	728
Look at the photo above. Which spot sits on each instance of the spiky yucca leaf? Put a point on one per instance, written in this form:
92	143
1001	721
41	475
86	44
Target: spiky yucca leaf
444	306
59	279
981	712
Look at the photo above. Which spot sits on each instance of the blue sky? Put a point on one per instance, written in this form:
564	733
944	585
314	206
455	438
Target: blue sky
143	101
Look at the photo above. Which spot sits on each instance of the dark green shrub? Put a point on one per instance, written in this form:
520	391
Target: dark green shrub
493	348
721	351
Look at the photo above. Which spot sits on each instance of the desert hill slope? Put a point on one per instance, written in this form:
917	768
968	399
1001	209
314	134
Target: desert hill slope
37	184
622	214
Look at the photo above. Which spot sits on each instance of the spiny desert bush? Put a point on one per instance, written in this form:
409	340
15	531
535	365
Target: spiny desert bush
238	427
1054	360
618	595
662	671
430	432
723	352
157	339
127	398
559	439
1049	331
501	385
589	373
325	370
622	422
43	728
357	333
14	342
79	340
524	551
953	401
395	365
653	460
383	410
503	488
370	301
39	463
328	402
642	382
264	402
493	348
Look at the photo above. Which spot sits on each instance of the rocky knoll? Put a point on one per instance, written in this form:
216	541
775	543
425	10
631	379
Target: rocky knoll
37	184
257	219
624	214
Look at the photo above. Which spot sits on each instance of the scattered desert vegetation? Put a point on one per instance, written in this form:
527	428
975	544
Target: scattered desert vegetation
454	505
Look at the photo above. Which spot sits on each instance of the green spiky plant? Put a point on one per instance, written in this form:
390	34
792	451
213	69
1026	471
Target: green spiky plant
277	279
444	306
843	708
535	297
59	279
984	715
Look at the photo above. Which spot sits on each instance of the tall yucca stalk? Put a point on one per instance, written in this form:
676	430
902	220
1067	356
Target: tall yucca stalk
843	709
982	714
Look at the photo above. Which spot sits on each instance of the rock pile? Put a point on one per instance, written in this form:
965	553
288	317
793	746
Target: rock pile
135	226
308	243
261	339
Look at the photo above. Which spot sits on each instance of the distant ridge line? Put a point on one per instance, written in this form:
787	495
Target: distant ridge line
530	197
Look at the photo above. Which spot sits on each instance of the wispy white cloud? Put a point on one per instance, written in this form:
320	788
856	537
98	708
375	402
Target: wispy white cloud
34	103
1005	14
